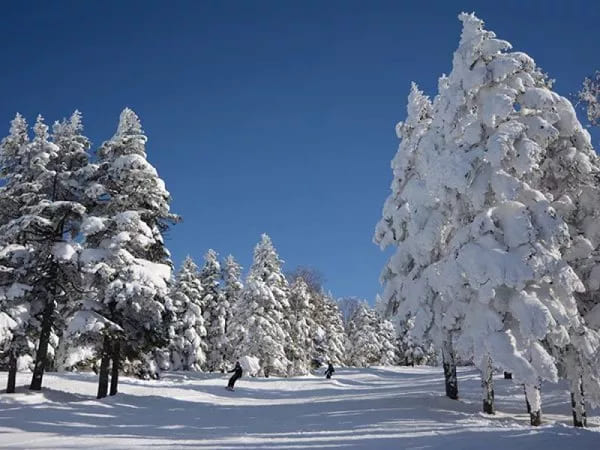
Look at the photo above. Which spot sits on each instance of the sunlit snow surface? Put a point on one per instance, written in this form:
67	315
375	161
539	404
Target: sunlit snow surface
377	408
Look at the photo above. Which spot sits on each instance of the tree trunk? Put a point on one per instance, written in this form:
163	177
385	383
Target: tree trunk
114	377
12	374
105	362
526	401
450	370
534	404
578	404
487	382
42	350
507	376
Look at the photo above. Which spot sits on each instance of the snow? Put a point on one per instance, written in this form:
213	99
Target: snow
374	408
250	364
64	251
154	273
92	225
6	324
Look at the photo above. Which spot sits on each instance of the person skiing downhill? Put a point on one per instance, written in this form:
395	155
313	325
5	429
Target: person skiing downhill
329	370
237	374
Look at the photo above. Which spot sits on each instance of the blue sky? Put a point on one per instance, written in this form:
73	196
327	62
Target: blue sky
268	116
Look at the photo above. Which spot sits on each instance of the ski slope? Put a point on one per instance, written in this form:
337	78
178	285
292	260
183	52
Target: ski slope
376	408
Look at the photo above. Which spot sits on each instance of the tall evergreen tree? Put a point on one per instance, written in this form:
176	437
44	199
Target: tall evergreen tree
72	173
216	312
503	259
125	252
417	222
570	173
506	265
232	290
46	215
301	350
363	345
266	334
16	284
388	349
187	334
411	352
334	336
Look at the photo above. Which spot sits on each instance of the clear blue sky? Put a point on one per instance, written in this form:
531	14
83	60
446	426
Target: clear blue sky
268	116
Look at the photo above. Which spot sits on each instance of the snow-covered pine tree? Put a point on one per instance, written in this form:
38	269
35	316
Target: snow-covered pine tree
318	321
501	271
265	299
363	343
416	222
216	312
334	338
17	333
125	253
412	352
570	173
388	349
590	96
232	290
17	329
47	212
72	173
318	334
500	265
301	350
187	333
348	306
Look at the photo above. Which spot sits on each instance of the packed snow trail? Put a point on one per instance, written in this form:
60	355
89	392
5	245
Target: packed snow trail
376	408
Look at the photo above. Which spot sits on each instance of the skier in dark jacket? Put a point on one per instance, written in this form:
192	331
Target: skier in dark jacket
237	374
329	370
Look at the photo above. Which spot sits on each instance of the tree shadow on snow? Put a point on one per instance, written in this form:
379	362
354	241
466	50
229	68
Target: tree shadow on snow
396	412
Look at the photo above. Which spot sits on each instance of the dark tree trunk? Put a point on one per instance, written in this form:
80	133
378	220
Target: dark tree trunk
105	362
114	376
450	370
526	401
42	351
535	418
487	382
578	404
12	374
534	404
507	376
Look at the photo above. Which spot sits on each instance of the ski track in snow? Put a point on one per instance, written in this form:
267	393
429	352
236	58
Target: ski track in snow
375	408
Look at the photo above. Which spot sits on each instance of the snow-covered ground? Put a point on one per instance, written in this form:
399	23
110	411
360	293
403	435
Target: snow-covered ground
360	408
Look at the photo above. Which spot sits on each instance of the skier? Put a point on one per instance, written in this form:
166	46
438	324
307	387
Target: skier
329	370
237	373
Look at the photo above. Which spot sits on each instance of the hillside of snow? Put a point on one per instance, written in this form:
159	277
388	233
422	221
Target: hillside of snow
376	408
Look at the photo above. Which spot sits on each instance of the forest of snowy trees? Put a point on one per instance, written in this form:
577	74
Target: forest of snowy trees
87	279
494	222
